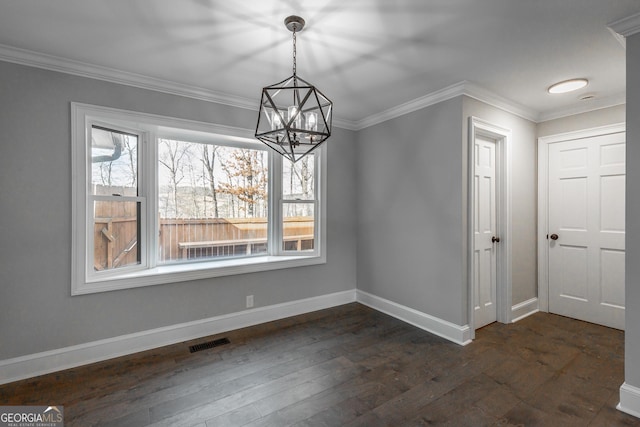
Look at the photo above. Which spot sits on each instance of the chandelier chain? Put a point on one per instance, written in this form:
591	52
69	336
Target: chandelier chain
294	51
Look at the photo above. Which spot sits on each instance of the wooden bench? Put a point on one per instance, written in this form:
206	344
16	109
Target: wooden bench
185	247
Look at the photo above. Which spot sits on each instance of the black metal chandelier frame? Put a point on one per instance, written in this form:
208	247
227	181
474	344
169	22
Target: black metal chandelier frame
295	117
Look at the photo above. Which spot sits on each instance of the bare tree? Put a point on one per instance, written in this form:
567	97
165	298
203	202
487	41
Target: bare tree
208	160
228	184
301	181
132	156
171	156
194	185
304	173
106	169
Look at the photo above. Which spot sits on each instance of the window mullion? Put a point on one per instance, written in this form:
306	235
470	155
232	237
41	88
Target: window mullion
150	188
319	186
321	200
274	222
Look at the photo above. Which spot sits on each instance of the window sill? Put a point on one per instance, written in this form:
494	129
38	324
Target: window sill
194	271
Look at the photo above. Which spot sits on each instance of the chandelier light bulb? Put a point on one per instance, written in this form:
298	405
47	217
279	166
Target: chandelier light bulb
276	123
294	117
312	121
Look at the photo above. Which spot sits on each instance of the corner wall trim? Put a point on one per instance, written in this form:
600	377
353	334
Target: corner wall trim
70	357
627	26
452	332
629	400
524	309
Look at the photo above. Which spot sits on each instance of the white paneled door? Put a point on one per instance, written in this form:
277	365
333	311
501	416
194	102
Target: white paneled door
586	202
485	239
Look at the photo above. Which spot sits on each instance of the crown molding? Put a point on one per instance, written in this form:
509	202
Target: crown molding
411	106
83	69
585	107
344	124
469	89
626	26
475	91
481	94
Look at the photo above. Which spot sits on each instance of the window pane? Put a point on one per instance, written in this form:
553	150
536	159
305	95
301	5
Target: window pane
114	162
212	201
297	179
116	229
298	227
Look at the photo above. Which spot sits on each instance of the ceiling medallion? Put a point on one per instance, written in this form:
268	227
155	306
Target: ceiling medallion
294	117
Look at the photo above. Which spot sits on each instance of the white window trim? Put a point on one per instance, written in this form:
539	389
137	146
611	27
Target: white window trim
151	125
143	182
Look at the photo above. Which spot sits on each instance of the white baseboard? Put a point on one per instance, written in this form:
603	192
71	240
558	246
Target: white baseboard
69	357
629	400
524	309
452	332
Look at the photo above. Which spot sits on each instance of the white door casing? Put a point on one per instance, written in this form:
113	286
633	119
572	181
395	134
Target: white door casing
582	185
489	263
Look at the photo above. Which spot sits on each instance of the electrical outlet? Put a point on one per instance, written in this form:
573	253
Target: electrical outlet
249	301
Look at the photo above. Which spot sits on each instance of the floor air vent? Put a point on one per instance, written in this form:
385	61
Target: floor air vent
209	344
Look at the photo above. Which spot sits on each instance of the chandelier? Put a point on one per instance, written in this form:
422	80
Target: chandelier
294	117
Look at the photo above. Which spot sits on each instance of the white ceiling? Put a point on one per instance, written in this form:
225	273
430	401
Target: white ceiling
368	56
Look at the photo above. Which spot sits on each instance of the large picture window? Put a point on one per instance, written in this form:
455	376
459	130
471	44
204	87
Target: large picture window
212	201
159	200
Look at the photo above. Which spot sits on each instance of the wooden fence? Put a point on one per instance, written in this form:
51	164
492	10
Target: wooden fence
115	237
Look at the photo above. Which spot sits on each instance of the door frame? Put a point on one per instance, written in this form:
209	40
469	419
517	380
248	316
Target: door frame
543	198
502	136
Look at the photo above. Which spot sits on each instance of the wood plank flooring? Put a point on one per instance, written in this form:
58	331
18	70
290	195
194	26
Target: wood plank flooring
352	366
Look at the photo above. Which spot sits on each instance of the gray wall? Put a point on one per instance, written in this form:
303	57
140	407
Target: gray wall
591	119
410	229
632	283
37	312
401	183
524	194
412	193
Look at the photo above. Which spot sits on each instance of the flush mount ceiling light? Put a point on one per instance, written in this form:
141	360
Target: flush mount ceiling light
294	117
568	86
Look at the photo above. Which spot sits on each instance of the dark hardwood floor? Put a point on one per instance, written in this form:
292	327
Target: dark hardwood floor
352	366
